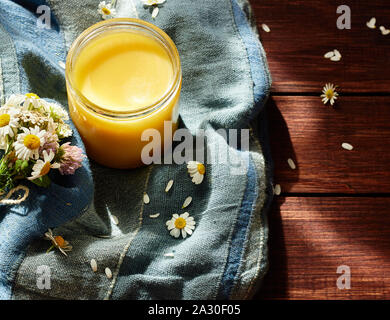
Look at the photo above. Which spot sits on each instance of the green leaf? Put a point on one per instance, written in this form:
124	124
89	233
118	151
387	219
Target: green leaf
18	164
24	165
42	181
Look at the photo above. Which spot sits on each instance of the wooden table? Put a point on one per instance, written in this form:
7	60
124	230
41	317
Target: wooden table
334	208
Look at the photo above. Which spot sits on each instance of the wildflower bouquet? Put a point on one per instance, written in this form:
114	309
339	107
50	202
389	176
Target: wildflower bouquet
31	130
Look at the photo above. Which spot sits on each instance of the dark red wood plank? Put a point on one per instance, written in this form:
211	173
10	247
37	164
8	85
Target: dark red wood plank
303	31
311	237
303	129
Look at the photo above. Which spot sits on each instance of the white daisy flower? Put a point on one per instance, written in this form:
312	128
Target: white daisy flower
32	101
183	224
58	242
28	143
106	10
15	100
154	4
329	93
149	3
8	122
64	130
55	111
42	167
196	171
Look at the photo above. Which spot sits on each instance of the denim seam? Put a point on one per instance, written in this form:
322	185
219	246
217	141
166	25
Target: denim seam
261	95
259	204
226	257
2	30
127	247
256	204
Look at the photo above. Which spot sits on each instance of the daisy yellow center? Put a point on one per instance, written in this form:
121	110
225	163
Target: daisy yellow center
106	11
180	223
329	93
32	95
201	168
45	169
32	142
59	241
4	120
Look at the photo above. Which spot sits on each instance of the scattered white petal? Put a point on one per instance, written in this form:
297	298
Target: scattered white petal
337	52
146	198
335	58
154	216
61	64
104	236
347	146
277	189
94	265
115	219
169	186
371	23
329	54
384	31
187	202
337	55
265	27
155	12
291	163
108	273
169	255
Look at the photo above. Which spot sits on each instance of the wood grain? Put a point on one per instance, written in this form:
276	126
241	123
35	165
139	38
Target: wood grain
303	129
311	237
303	31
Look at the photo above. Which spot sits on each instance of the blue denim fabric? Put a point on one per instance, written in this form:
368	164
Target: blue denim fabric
225	85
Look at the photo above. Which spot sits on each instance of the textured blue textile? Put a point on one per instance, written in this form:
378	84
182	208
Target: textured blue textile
225	85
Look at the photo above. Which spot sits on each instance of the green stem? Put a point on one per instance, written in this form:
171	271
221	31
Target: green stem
51	248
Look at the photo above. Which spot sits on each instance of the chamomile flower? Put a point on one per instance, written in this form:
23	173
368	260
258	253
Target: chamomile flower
154	4
28	143
58	242
106	10
149	3
196	171
55	111
8	122
183	224
329	93
32	101
64	131
42	167
15	100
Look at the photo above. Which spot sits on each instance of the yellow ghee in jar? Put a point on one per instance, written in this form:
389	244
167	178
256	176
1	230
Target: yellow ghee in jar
120	83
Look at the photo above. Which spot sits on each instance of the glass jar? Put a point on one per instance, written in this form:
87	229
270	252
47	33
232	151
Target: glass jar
127	61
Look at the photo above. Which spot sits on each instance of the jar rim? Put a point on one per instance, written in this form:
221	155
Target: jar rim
153	30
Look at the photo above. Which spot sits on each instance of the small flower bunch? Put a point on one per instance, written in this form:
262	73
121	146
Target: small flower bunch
31	130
